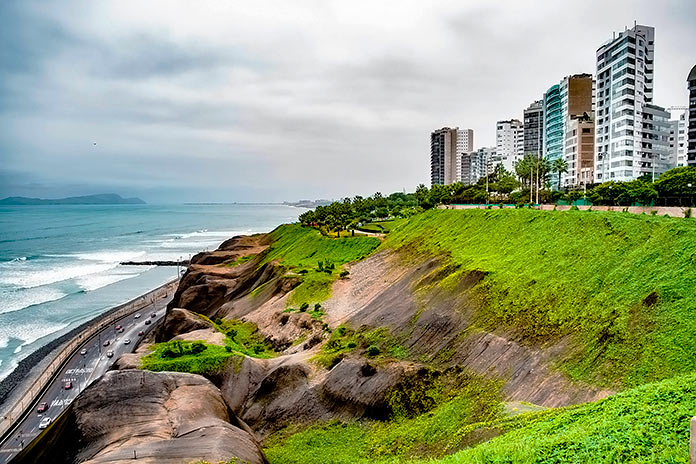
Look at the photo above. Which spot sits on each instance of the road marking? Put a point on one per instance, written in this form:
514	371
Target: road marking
79	371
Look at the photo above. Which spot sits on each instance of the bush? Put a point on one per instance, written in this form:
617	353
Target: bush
197	347
217	321
373	350
344	274
352	345
228	349
304	306
687	213
231	333
317	306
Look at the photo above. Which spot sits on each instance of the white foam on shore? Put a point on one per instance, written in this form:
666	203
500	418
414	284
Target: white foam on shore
39	276
95	281
23	298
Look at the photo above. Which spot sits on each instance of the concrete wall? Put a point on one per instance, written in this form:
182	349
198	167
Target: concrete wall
673	211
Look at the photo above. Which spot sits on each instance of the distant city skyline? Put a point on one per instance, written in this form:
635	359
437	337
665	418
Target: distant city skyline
173	102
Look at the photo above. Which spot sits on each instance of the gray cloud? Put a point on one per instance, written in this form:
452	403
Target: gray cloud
284	100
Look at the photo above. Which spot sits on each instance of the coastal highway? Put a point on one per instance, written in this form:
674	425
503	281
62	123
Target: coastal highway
81	370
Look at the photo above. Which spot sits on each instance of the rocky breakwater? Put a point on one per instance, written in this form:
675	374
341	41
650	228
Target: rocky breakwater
152	417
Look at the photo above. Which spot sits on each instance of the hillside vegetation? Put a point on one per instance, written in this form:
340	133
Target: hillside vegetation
648	424
316	258
616	287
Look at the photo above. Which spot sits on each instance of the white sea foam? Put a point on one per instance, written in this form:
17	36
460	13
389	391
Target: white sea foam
23	298
93	282
34	276
109	256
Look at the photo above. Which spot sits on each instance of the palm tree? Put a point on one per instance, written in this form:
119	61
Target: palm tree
560	166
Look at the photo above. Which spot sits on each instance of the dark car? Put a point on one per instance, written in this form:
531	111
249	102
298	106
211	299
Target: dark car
147	321
68	385
106	343
140	333
43	407
153	315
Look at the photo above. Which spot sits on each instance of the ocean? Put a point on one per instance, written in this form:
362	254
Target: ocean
59	265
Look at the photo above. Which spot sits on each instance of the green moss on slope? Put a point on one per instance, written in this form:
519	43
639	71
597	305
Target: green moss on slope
649	424
620	285
301	249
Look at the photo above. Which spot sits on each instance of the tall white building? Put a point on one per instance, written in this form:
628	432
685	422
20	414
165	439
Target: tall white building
509	143
447	145
630	133
678	141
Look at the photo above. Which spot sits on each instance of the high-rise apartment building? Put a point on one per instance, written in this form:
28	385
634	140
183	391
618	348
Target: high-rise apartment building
678	131
629	133
509	143
553	124
477	164
534	129
579	152
565	102
654	144
447	146
691	137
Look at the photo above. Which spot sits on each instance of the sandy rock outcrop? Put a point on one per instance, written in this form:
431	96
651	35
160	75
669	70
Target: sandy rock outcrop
269	394
180	321
163	418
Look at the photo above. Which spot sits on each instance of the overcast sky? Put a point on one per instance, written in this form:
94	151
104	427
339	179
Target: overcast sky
272	101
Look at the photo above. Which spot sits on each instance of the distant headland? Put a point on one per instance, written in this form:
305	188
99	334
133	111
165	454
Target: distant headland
99	199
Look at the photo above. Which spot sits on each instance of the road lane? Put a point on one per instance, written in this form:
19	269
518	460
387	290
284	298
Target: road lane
81	370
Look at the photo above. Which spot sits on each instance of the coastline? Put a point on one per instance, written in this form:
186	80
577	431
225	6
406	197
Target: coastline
45	354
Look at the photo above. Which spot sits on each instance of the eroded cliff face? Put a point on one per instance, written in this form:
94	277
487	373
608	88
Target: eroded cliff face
170	415
384	290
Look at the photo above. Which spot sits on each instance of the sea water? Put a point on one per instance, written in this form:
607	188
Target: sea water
59	265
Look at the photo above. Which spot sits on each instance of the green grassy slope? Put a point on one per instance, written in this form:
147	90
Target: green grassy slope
302	248
619	285
648	424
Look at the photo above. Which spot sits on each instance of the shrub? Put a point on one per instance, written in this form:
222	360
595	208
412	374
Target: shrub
304	306
687	213
653	212
231	333
228	349
217	321
352	345
197	347
344	273
373	350
317	306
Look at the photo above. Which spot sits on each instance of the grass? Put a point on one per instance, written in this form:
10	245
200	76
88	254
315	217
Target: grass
377	344
433	433
619	285
240	260
648	424
301	249
242	338
210	361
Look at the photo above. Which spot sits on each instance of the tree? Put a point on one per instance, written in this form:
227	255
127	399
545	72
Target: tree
678	182
560	166
573	196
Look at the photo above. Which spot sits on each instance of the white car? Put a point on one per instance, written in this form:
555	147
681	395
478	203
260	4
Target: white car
45	422
137	316
126	341
83	351
109	354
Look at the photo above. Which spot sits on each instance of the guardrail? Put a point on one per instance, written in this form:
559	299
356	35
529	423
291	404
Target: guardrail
99	323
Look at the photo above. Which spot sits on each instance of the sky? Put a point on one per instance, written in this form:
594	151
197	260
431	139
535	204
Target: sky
225	101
